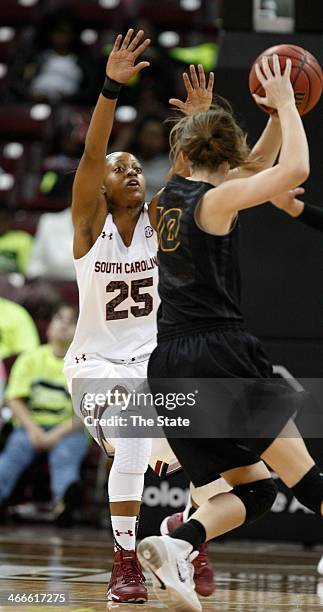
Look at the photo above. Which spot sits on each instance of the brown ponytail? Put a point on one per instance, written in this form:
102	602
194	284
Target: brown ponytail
211	138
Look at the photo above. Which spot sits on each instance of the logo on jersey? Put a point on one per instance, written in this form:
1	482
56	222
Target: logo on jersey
168	228
105	235
148	231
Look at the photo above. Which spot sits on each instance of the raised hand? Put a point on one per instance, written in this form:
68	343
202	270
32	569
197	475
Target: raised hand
199	95
121	61
277	86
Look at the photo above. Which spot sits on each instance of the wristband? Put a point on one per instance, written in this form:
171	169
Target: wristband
110	88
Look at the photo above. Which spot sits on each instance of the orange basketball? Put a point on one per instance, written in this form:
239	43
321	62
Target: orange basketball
306	76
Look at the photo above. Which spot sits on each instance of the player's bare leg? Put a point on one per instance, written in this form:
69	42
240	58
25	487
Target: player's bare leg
168	557
204	578
290	459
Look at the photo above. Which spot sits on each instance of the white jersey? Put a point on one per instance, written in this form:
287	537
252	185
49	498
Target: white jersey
118	295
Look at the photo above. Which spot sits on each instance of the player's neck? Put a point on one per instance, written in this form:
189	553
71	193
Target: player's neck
126	214
206	175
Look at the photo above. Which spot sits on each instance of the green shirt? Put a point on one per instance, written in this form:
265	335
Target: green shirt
17	330
37	377
15	251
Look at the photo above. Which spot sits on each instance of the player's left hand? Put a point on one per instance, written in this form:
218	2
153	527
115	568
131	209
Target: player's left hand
289	203
199	94
121	62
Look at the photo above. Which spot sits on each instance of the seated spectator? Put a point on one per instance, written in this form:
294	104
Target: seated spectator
15	245
17	330
59	167
52	255
155	83
43	419
55	66
148	140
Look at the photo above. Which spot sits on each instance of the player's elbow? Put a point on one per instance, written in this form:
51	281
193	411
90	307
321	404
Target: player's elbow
302	173
296	175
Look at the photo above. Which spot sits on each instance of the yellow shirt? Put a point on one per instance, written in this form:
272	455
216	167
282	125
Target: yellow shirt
37	377
17	330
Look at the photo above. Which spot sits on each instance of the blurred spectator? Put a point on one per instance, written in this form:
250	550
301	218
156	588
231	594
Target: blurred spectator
55	66
43	419
17	330
3	377
156	83
15	245
148	140
52	255
58	168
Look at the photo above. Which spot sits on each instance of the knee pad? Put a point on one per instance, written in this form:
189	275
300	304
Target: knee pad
125	487
132	455
257	497
309	490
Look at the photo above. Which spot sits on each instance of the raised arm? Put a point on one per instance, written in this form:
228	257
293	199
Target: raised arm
265	151
87	200
293	165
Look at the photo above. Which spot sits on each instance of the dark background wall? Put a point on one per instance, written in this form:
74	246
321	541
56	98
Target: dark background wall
282	260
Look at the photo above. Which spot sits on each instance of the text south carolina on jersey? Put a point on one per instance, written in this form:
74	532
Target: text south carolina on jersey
128	267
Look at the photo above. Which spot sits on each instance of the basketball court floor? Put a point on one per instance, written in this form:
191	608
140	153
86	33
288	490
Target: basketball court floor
43	563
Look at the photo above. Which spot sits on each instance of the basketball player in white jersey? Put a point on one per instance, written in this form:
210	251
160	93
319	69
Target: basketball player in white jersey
115	260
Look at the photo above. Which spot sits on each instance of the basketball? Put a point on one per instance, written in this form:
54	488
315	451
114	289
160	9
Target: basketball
306	76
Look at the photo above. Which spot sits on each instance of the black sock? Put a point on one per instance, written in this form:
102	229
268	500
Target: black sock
192	532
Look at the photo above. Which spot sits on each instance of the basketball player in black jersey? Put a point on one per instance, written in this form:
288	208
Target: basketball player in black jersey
200	327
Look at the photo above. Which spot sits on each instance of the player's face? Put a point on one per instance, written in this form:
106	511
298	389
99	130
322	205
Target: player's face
62	326
124	179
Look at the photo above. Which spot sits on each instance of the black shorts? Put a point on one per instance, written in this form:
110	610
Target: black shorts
225	353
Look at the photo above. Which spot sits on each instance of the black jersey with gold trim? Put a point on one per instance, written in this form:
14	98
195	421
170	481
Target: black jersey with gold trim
199	275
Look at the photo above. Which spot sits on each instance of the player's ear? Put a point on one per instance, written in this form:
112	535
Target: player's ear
181	164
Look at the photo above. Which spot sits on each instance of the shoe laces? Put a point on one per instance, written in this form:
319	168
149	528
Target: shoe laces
185	569
131	570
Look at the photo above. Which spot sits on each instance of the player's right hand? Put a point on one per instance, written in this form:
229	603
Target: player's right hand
277	86
121	61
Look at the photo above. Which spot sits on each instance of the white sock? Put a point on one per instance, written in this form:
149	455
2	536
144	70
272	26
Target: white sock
124	532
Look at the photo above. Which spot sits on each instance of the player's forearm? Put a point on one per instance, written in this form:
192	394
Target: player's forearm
21	412
294	155
267	147
100	128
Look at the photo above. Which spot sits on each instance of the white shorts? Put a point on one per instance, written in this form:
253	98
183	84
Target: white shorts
162	455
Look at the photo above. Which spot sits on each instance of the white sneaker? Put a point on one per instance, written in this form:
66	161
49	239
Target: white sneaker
168	561
320	567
